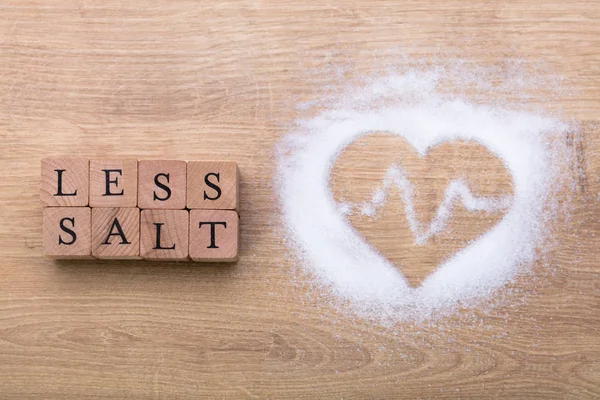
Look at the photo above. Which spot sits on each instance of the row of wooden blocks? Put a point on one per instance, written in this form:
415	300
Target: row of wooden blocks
150	209
147	184
131	233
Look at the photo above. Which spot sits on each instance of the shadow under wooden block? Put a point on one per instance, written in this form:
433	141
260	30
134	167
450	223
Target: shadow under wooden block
164	235
113	183
65	182
214	235
116	233
67	232
212	185
162	184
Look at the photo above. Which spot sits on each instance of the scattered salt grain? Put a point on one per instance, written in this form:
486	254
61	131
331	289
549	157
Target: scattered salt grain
410	105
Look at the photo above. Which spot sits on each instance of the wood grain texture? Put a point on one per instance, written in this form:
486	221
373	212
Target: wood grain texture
190	80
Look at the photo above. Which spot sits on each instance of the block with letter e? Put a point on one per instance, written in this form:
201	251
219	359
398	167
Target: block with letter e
67	232
214	235
113	183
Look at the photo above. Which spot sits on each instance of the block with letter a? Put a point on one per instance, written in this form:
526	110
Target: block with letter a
116	233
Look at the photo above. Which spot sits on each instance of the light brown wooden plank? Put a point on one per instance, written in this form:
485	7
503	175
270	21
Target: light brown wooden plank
201	81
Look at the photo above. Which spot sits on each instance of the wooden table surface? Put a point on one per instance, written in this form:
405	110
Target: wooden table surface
221	80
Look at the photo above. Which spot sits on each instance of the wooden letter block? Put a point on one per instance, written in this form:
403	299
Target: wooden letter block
161	184
65	182
212	185
113	183
214	235
68	232
116	233
164	234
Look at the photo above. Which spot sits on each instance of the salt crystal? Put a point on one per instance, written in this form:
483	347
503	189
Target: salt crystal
338	257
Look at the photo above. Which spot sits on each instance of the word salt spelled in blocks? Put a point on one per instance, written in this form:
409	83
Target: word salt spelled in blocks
150	209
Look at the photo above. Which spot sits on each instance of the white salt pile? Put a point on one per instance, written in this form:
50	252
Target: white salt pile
410	106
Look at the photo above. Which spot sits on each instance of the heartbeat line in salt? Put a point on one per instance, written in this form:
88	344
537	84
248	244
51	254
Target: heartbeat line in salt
457	190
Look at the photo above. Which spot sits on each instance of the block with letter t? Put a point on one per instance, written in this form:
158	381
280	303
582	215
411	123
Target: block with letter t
214	235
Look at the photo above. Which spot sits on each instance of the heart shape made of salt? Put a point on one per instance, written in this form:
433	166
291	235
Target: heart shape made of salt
341	259
418	211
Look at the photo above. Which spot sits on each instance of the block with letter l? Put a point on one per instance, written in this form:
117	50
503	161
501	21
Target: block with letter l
65	182
164	235
116	233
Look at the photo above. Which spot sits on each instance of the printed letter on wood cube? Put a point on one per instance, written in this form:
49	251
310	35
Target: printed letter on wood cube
161	184
164	234
116	233
65	182
212	185
113	183
214	235
67	232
